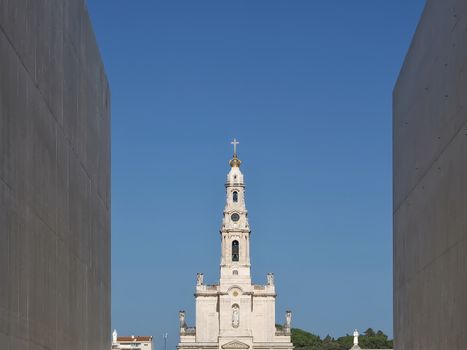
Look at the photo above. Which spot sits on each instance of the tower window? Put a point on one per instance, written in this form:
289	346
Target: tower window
235	250
235	196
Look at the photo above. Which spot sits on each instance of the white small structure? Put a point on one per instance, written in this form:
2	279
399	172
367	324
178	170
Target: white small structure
114	337
355	341
131	342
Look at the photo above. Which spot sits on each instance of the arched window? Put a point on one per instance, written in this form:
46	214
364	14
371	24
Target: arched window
235	196
235	250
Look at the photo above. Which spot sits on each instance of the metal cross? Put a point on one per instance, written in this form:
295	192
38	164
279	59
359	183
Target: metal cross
235	143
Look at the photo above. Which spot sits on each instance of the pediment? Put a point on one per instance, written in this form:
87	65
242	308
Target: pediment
235	345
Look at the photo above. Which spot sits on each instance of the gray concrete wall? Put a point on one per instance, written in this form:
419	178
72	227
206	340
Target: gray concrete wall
54	179
430	183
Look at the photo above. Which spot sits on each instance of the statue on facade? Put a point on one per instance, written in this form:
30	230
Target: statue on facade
114	337
355	337
270	279
288	321
199	279
181	317
235	316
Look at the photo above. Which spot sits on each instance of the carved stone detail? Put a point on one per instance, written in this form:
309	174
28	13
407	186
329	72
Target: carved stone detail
235	345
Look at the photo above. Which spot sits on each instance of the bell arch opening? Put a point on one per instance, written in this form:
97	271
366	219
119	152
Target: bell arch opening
235	251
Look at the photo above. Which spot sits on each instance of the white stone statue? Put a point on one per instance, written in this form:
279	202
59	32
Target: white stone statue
270	279
114	337
181	317
355	337
288	319
199	279
235	316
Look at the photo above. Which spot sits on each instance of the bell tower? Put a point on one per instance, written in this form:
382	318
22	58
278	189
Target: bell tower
235	230
235	314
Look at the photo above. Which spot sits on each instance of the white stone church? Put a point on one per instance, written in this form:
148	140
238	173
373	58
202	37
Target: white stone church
235	314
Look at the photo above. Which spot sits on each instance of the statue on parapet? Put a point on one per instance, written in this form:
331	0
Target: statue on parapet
270	277
199	279
181	317
288	321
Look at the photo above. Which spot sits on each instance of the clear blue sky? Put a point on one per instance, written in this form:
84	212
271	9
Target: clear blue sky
306	88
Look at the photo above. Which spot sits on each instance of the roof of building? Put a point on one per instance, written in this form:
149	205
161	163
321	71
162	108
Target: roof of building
134	338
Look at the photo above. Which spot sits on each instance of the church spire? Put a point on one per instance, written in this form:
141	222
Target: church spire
235	230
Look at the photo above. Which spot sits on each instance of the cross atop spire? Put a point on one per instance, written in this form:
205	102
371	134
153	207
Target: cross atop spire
235	162
235	143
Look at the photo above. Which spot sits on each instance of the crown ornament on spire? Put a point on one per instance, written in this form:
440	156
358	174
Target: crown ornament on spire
235	162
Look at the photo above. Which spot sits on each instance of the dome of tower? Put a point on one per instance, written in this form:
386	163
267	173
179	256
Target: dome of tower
235	162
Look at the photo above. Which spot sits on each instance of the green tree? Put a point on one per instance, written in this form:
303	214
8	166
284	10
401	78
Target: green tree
345	342
372	340
303	339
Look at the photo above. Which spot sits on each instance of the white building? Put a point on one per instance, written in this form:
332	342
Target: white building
131	342
235	314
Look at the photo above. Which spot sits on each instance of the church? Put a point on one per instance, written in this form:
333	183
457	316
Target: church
235	314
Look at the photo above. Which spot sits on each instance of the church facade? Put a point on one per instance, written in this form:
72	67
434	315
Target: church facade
235	314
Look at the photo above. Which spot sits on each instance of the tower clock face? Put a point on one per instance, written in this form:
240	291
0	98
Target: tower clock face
235	217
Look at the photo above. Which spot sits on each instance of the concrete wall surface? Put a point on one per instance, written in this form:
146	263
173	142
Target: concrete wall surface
54	179
430	183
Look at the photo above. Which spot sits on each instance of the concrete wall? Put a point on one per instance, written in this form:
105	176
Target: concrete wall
54	179
430	183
